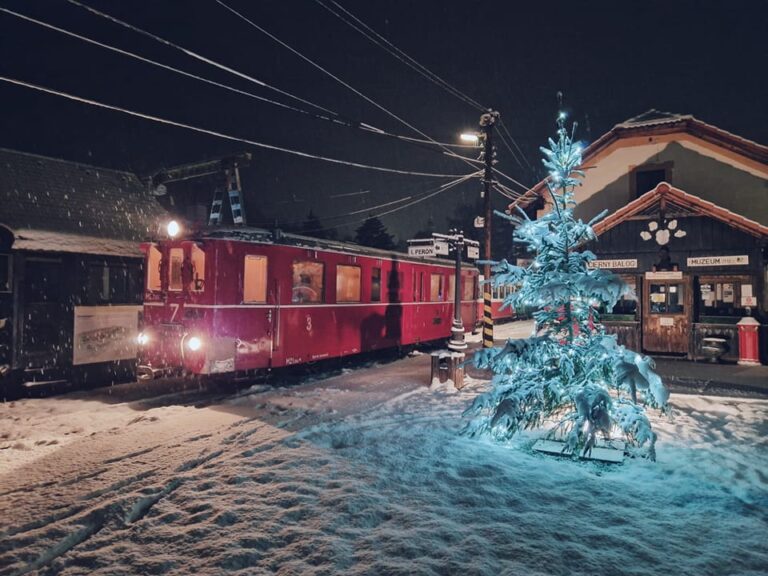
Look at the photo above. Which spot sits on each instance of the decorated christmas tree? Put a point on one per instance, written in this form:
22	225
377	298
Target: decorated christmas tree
570	376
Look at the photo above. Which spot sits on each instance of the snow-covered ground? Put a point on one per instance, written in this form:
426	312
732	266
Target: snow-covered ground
365	473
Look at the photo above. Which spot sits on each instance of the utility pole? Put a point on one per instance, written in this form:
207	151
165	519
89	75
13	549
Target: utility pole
487	122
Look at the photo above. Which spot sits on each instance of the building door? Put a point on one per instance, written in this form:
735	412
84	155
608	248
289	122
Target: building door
667	312
43	327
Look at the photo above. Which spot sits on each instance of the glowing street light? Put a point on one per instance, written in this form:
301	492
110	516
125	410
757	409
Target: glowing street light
470	138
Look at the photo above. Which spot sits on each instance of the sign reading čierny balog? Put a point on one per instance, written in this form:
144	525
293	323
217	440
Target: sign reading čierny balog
718	261
614	264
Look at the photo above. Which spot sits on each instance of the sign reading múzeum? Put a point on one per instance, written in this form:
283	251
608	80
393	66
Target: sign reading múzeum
718	261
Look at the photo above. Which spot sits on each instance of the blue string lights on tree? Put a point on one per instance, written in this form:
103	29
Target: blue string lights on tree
571	375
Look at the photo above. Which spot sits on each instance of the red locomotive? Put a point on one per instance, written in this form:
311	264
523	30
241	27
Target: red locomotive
499	312
239	300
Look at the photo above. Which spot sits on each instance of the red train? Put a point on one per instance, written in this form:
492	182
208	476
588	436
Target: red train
499	313
237	300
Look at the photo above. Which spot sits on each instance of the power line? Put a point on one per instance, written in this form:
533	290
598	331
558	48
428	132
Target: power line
427	195
199	57
218	134
332	116
385	44
336	78
504	127
500	173
175	70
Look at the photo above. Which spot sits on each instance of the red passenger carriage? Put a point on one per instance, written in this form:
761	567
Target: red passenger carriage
242	300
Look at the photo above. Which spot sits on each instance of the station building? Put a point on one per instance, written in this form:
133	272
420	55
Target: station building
71	269
687	228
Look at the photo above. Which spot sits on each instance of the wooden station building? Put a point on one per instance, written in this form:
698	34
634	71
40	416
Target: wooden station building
71	269
687	229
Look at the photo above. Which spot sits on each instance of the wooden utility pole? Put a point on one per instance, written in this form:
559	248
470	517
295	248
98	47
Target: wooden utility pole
487	122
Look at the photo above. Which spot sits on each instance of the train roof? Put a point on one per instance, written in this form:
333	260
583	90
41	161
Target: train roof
278	237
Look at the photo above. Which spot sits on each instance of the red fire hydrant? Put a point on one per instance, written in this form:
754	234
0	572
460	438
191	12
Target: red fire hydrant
749	352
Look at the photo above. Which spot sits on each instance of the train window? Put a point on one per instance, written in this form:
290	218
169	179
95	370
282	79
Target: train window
469	289
451	287
177	260
376	285
198	268
347	283
5	273
153	269
255	279
308	282
436	288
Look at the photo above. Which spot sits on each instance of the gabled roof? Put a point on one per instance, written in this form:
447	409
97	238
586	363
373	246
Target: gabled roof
44	197
679	203
655	123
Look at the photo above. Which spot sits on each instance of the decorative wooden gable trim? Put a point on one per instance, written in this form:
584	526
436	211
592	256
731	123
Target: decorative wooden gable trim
654	123
674	202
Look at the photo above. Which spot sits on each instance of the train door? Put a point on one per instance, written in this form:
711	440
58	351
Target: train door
667	312
43	325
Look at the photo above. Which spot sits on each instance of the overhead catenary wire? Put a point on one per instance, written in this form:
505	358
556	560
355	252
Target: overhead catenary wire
504	128
217	134
199	57
330	116
331	75
426	196
333	118
382	42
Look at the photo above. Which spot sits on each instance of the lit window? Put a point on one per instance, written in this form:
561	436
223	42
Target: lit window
347	283
198	268
667	298
255	279
376	285
451	287
153	269
308	282
436	287
177	261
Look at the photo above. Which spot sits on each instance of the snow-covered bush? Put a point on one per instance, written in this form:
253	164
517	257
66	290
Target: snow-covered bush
571	372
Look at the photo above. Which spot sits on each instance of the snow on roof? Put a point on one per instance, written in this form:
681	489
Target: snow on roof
77	200
46	241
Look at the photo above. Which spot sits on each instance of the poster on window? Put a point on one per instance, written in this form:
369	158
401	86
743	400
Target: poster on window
728	293
105	333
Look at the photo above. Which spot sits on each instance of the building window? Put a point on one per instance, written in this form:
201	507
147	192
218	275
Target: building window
5	273
647	177
726	296
347	283
667	298
376	285
154	281
627	304
198	268
308	282
255	279
177	261
436	288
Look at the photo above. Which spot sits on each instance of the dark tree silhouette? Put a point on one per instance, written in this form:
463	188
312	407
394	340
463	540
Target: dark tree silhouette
373	233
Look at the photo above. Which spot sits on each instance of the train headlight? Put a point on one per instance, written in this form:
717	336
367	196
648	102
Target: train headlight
173	228
194	343
142	338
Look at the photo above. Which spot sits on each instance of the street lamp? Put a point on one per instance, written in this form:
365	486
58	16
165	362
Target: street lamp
487	122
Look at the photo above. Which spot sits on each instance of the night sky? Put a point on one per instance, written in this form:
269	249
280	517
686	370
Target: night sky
612	61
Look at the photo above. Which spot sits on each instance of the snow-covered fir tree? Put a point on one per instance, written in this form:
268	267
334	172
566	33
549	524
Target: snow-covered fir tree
570	375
